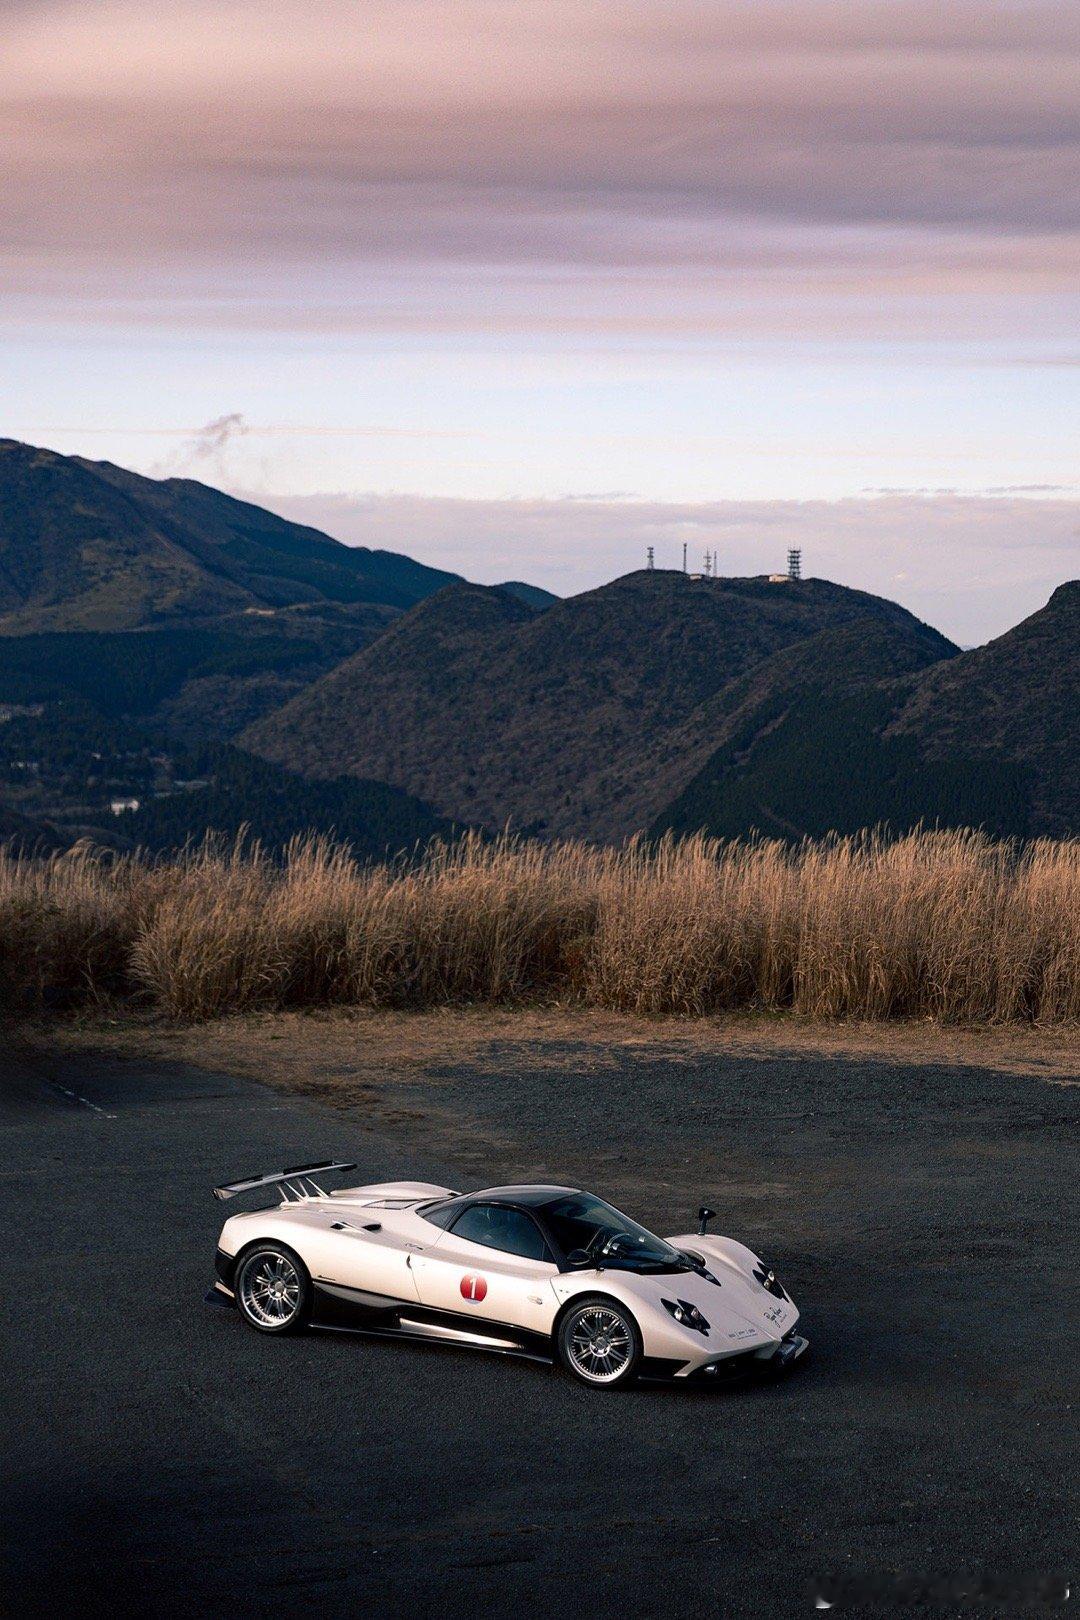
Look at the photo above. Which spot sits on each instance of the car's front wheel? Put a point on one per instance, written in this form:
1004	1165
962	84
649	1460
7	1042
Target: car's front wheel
273	1289
599	1342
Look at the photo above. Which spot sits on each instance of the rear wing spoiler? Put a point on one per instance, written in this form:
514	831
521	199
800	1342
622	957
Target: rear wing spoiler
296	1181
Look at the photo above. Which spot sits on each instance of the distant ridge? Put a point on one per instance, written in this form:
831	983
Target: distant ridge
532	595
1015	700
85	545
658	702
587	718
836	737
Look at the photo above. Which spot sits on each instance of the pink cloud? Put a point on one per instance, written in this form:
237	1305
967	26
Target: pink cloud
870	151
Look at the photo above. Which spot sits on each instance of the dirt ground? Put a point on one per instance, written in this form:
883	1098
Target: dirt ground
340	1057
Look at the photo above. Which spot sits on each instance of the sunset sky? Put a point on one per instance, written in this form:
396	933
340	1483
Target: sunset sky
522	287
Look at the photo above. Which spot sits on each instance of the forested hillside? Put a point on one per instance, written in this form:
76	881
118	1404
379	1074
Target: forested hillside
142	624
839	737
588	719
163	642
85	545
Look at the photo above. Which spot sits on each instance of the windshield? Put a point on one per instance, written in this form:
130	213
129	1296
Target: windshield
580	1222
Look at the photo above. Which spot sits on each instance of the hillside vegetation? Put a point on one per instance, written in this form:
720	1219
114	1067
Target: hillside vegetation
1014	701
239	796
803	747
83	762
143	624
587	719
144	620
165	599
85	545
823	739
939	925
719	705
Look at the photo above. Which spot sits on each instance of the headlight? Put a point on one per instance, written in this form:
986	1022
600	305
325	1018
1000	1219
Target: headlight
685	1314
769	1281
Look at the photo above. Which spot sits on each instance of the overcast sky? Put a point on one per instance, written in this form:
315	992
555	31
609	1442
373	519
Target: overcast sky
523	287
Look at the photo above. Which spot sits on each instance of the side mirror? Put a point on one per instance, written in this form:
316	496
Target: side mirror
579	1257
704	1215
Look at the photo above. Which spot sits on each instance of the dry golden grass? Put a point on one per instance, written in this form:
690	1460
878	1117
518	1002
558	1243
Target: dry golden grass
949	925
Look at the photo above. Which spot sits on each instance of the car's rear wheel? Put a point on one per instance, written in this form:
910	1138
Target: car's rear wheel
273	1289
599	1343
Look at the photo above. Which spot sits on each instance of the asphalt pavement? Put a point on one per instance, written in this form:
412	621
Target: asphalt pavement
162	1459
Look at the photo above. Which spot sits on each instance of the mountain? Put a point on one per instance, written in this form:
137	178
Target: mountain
206	681
85	545
1014	702
142	620
166	598
143	623
532	595
834	738
587	718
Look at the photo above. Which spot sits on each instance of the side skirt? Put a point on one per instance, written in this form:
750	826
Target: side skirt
351	1310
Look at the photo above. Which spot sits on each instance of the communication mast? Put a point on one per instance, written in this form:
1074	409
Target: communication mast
684	556
794	563
649	562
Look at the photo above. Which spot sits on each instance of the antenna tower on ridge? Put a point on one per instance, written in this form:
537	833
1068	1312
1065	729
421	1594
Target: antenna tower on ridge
794	563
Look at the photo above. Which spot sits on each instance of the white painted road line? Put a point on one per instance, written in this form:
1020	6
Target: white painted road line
83	1102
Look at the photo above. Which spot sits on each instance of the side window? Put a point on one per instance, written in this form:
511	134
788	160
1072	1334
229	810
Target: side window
510	1230
441	1214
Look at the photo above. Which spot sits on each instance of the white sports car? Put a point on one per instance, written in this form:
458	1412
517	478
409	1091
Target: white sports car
544	1272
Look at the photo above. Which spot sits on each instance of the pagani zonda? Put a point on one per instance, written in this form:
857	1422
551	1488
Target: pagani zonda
545	1272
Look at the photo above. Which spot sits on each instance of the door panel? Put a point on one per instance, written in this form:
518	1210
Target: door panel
472	1280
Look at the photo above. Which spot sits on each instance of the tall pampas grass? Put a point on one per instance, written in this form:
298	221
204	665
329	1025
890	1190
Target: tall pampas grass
945	925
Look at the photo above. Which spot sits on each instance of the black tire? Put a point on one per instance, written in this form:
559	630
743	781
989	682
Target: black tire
272	1288
612	1329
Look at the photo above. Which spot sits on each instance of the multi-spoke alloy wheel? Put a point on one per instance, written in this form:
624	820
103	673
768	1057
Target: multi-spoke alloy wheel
599	1343
271	1289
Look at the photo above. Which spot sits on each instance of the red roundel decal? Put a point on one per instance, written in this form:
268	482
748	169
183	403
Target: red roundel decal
473	1287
